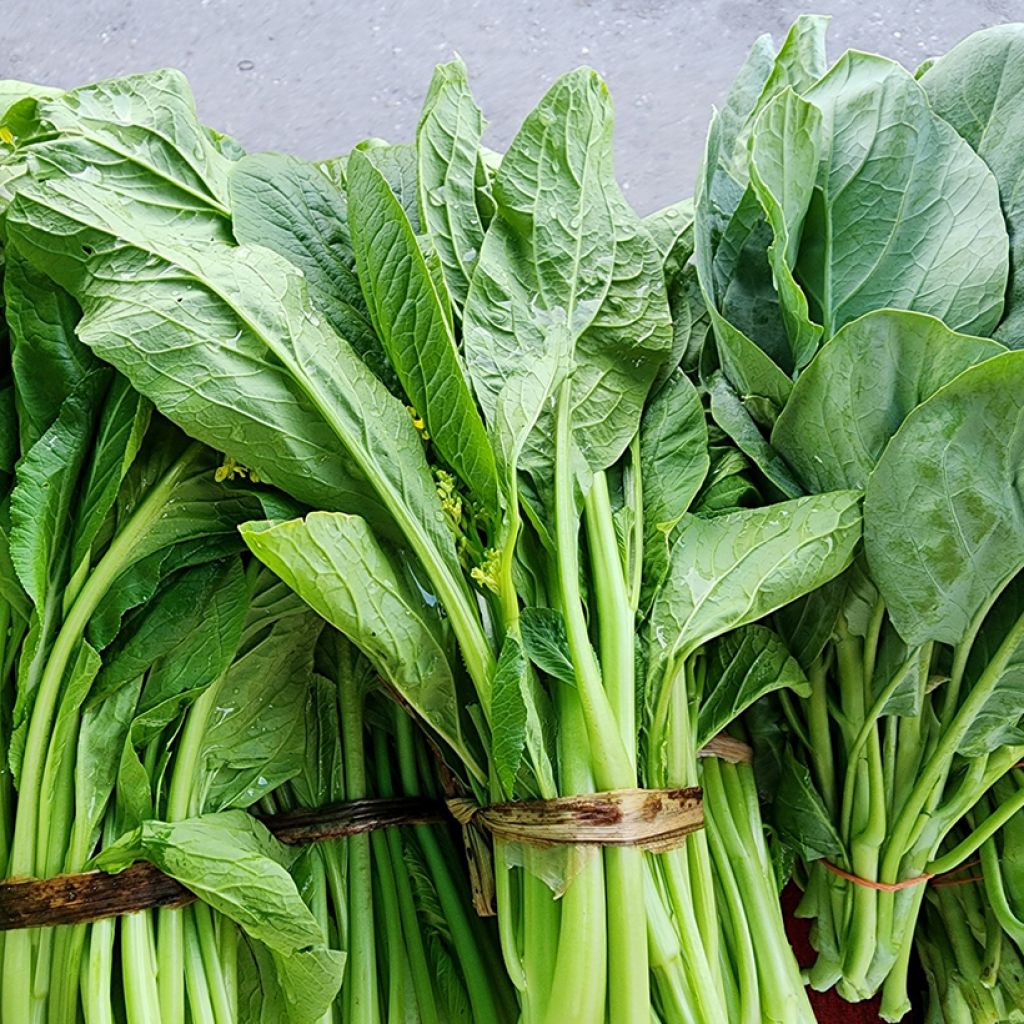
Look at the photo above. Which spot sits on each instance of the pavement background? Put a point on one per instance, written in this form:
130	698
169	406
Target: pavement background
313	77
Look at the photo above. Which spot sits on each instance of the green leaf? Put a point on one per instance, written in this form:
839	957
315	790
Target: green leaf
141	133
864	383
799	813
731	233
410	318
672	231
943	516
233	863
287	205
1000	722
336	564
508	714
44	490
785	153
159	626
566	257
977	87
546	643
674	462
122	425
398	166
447	152
729	412
47	360
935	241
256	739
740	566
744	665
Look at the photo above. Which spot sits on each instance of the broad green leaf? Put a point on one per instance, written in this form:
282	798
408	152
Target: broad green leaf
203	650
943	515
447	152
799	814
977	87
565	255
742	666
935	241
231	329
546	643
289	206
410	318
738	567
233	863
101	738
864	383
807	624
785	153
674	462
256	740
140	133
334	562
47	360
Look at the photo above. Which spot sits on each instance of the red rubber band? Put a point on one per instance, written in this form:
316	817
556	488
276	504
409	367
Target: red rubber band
880	886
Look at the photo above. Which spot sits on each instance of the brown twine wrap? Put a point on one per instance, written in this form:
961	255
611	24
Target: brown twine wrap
93	895
656	820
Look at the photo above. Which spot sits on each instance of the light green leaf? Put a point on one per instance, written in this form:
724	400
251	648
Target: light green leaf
565	254
447	152
674	462
233	863
140	133
508	714
742	667
738	567
256	739
336	564
978	87
122	425
735	419
546	643
943	512
935	241
864	383
414	328
44	489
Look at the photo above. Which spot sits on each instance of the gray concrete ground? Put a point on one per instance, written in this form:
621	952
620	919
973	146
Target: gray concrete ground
315	76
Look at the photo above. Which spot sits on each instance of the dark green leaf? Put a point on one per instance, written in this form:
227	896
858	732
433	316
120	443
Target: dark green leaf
943	517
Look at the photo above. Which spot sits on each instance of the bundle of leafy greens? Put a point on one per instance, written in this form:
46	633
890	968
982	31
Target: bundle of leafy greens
580	490
157	683
468	366
857	233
